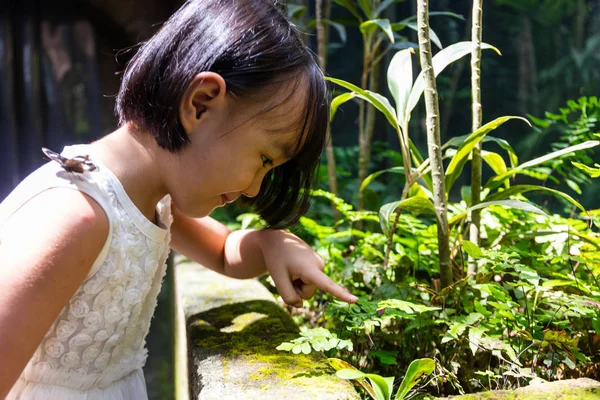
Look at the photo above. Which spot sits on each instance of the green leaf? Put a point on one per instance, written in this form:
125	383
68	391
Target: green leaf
350	374
383	386
285	346
306	348
472	249
435	14
338	101
405	306
457	141
495	161
400	80
521	205
414	205
369	26
462	154
440	61
592	172
574	186
368	179
497	180
432	35
340	28
375	99
416	369
365	6
519	189
338	365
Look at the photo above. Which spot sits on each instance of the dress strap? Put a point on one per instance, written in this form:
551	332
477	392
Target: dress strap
51	176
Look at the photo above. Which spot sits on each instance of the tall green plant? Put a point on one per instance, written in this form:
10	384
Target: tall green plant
381	388
476	35
322	53
379	37
434	143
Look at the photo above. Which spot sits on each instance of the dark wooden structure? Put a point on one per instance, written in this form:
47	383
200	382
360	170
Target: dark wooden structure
59	72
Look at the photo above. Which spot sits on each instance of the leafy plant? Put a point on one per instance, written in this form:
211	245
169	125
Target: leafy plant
319	339
382	388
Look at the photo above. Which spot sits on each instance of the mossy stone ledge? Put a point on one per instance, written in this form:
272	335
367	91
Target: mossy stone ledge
227	331
569	389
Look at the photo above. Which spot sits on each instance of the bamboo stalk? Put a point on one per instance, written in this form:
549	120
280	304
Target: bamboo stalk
434	143
476	34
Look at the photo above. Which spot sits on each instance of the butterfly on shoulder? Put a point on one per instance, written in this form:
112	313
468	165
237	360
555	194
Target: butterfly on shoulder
77	164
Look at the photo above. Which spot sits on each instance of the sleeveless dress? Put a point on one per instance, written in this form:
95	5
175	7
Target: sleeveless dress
95	349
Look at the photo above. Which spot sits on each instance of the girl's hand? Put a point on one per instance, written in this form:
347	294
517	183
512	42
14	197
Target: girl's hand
296	269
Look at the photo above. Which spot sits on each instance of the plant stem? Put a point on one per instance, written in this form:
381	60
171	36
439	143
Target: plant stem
322	53
434	143
476	34
363	163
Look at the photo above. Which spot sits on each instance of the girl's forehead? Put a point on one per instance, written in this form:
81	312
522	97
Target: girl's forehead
285	108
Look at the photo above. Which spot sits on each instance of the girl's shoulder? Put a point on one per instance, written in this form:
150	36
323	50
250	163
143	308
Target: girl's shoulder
55	175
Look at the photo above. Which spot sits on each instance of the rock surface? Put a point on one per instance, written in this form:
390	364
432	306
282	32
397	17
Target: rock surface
233	327
570	389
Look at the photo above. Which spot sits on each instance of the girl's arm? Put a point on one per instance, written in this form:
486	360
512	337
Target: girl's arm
295	268
46	249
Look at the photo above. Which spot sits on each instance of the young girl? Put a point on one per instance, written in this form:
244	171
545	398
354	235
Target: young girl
223	102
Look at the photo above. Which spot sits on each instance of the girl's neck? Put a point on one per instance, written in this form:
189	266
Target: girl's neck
133	158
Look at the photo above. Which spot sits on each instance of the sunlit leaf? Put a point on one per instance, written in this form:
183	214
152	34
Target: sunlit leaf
495	161
369	26
285	346
400	80
376	101
472	249
440	61
518	189
368	179
350	374
592	172
416	369
432	35
382	386
497	180
338	101
338	365
520	205
458	140
462	154
414	205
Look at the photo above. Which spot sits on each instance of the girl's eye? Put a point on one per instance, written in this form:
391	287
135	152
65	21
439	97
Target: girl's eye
266	161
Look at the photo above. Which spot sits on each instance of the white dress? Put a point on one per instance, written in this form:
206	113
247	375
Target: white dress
95	349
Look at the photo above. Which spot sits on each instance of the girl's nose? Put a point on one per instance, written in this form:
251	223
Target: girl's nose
254	188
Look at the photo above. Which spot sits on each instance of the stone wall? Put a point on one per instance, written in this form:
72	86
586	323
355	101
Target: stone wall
226	334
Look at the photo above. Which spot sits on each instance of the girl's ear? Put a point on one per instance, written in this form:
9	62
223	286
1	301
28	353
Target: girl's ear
205	93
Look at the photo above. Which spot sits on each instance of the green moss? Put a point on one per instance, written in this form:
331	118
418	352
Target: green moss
257	336
563	393
248	333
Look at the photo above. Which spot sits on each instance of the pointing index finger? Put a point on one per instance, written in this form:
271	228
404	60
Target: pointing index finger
323	282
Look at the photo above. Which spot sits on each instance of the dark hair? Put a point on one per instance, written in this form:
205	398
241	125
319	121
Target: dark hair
251	44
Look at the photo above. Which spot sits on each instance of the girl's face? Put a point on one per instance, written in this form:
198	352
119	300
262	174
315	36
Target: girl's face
233	144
